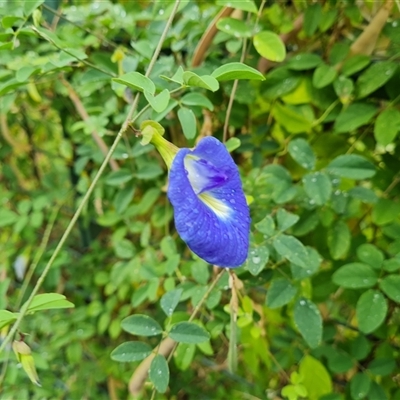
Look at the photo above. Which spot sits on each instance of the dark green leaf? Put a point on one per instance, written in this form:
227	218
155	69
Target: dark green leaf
141	325
170	300
359	385
371	310
285	219
302	153
375	77
159	373
355	63
323	76
351	166
188	332
318	187
390	285
280	292
312	18
387	126
308	321
304	61
355	276
131	351
119	177
354	116
339	239
292	249
369	254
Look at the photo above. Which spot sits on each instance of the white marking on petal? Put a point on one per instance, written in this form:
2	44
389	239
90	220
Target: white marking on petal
216	205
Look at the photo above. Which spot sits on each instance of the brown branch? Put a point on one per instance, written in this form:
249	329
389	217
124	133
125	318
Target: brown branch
208	36
366	42
81	110
263	64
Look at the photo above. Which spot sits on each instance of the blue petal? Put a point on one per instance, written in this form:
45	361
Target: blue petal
210	209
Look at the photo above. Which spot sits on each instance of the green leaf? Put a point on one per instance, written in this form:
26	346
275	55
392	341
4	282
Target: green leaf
234	27
188	332
359	385
376	392
31	6
315	378
159	373
25	72
280	292
170	300
385	211
160	102
280	81
188	122
270	46
351	166
197	99
285	219
131	351
116	178
312	18
141	325
244	5
344	88
323	76
48	301
354	116
371	310
266	226
308	321
302	153
375	77
339	239
387	126
355	276
232	144
204	81
318	187
390	285
371	255
382	366
364	194
6	318
257	259
292	249
305	61
291	120
136	81
7	217
355	64
184	355
236	70
177	78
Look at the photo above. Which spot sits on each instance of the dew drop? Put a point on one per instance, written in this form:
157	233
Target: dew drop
256	260
302	302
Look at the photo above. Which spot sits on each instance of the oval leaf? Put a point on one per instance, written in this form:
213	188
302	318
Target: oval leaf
318	187
280	293
302	153
292	249
371	310
234	27
270	46
131	351
188	122
136	81
351	166
170	300
160	102
390	285
159	373
308	321
141	325
188	332
236	70
355	276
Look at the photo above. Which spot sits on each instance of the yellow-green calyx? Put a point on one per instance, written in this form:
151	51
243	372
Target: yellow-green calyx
152	132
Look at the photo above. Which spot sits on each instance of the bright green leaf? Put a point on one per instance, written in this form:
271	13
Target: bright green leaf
204	81
136	81
197	99
236	70
160	102
234	27
270	46
188	122
244	5
315	378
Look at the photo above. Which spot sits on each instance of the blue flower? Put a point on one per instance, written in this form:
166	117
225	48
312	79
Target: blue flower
210	209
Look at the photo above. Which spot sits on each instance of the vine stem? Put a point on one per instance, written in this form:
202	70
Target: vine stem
129	119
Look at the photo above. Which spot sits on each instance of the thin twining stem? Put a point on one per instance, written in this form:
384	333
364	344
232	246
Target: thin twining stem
129	119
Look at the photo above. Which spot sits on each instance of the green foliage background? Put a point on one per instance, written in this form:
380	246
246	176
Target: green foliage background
318	298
